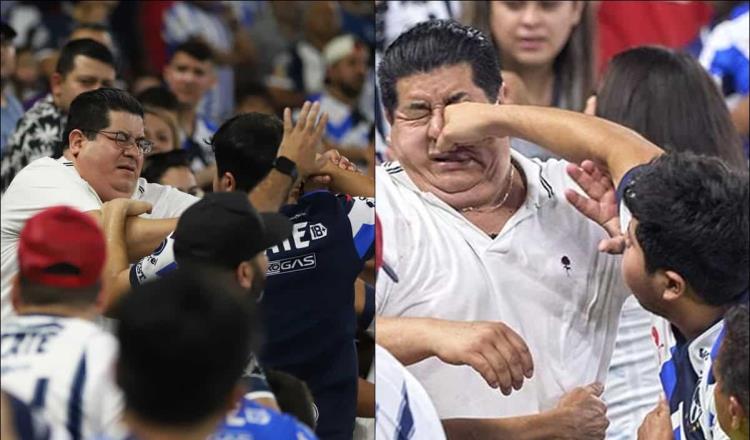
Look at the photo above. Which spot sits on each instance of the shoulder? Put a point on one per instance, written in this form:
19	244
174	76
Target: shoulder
168	202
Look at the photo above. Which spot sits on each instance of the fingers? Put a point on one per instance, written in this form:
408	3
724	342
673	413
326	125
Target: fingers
614	245
482	366
287	120
321	127
302	118
512	362
584	205
138	207
595	388
312	117
522	351
498	362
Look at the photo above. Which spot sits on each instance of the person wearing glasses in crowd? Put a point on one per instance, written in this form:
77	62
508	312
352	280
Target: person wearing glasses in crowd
102	160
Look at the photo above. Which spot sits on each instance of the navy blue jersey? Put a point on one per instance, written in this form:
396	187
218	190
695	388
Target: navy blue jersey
308	303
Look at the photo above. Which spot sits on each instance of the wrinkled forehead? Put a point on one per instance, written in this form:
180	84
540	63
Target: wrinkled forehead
441	86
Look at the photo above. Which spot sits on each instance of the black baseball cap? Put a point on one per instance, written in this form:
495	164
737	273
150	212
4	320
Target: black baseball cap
224	229
7	32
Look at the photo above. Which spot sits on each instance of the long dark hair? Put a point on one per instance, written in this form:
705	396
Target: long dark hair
668	98
573	66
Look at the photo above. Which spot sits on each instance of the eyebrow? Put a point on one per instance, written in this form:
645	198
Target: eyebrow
454	98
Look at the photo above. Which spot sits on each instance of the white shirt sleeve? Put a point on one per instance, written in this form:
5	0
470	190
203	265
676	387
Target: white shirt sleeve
168	202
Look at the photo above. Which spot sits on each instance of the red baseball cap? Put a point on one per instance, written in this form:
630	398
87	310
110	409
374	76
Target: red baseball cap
61	247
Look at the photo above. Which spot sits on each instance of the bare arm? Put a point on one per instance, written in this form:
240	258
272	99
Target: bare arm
741	116
349	182
114	216
580	414
365	398
493	349
142	235
572	135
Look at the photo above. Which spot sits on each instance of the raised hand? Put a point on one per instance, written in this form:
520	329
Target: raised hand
492	348
300	140
601	204
584	414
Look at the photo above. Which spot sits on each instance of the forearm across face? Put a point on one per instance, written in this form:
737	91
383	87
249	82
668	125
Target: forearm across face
576	136
144	235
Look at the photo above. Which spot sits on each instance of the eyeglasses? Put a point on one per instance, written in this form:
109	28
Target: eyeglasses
124	140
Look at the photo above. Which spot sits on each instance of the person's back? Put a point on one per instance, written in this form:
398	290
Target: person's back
55	357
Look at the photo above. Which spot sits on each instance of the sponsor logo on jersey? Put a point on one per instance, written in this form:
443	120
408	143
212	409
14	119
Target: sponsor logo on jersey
294	264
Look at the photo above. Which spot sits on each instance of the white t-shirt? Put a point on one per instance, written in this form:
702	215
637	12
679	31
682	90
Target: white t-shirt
50	182
65	367
404	409
542	275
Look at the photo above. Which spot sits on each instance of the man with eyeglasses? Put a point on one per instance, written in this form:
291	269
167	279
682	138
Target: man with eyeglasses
102	161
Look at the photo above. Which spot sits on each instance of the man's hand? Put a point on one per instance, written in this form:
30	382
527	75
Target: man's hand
330	158
657	425
583	412
467	123
301	139
491	348
118	209
601	204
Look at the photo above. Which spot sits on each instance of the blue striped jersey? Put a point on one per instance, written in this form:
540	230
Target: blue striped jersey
64	368
251	420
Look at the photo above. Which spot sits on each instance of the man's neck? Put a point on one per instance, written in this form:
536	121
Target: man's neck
341	96
539	82
692	319
87	312
145	430
186	116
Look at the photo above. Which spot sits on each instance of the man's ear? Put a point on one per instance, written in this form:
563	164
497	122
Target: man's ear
227	182
502	95
75	141
245	274
674	285
15	293
736	414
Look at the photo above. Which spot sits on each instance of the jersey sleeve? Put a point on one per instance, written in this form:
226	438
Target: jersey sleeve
361	213
156	265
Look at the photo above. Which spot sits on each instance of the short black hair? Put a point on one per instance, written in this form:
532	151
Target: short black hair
85	47
293	396
434	44
184	342
246	146
98	27
160	97
733	356
197	49
157	165
89	111
43	295
693	219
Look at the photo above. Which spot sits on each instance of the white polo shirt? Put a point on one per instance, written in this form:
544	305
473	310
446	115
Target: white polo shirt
48	182
542	275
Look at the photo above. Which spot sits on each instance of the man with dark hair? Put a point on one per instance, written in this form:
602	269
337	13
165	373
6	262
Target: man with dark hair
83	65
731	372
190	74
170	320
54	357
171	168
104	150
333	237
526	295
686	263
